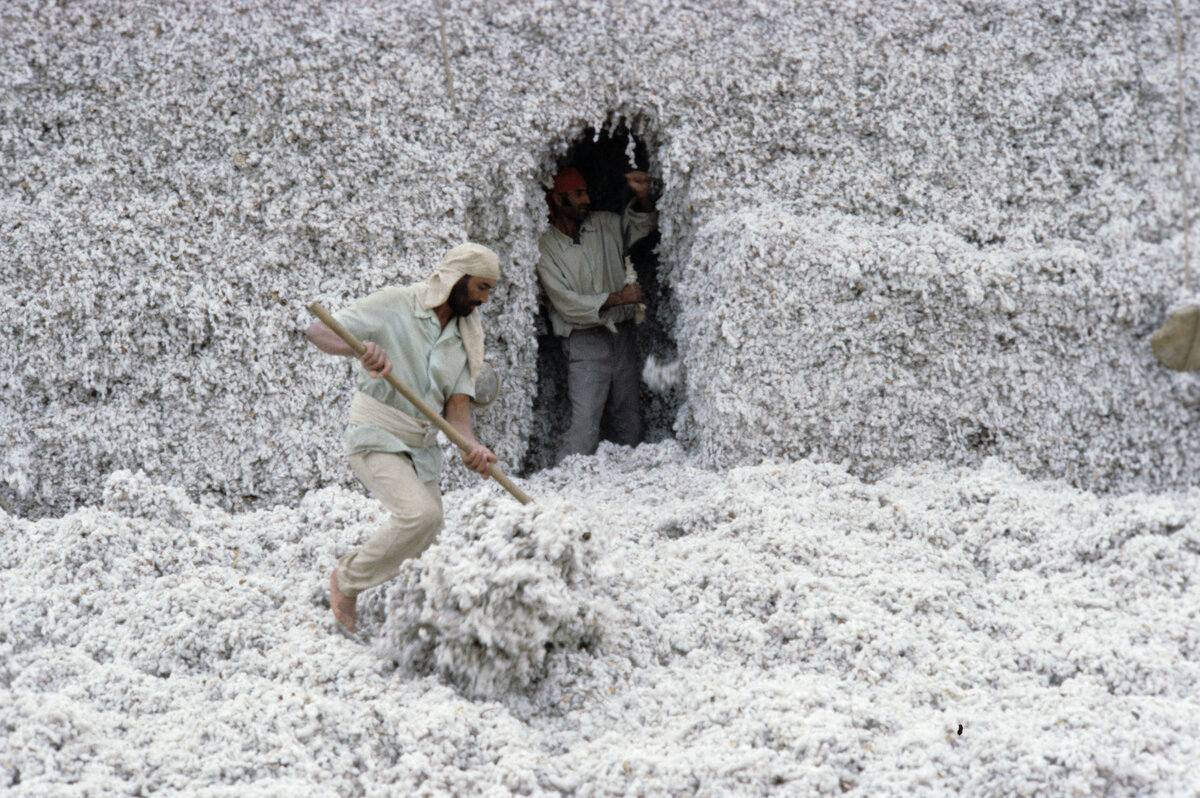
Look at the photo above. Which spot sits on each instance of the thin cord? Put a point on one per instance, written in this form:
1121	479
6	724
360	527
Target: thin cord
1187	261
446	58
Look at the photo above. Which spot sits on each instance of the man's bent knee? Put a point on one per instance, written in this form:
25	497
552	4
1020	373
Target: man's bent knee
430	514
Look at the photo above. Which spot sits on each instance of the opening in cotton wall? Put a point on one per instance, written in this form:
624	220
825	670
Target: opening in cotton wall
603	157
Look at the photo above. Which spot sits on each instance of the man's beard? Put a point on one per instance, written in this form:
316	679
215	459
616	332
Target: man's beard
576	213
460	305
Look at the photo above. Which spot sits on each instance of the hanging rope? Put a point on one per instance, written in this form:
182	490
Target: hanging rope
446	59
1187	261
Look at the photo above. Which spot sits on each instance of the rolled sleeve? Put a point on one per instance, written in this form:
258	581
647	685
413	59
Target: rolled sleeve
464	384
636	225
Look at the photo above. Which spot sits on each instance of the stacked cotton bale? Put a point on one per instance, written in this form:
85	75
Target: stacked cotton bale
183	180
829	337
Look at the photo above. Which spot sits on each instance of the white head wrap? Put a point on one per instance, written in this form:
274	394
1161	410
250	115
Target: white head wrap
475	260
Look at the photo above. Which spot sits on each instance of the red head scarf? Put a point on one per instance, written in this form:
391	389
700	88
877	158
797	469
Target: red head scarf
568	180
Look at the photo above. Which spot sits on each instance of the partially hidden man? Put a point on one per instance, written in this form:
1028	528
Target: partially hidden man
434	335
582	269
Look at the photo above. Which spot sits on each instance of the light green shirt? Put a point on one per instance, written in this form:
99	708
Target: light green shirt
579	277
427	358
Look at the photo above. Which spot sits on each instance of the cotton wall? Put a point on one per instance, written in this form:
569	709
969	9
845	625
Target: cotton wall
846	340
888	233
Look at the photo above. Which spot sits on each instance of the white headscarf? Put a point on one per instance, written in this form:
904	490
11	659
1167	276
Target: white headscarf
475	260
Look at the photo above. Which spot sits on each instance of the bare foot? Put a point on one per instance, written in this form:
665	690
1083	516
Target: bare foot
341	604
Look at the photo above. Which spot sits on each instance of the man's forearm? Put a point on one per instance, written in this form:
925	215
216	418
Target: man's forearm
327	340
629	295
576	309
458	414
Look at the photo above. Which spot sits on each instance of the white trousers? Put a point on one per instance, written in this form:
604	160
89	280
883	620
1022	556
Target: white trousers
415	519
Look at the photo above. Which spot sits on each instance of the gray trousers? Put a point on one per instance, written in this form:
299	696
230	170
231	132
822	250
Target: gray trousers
602	384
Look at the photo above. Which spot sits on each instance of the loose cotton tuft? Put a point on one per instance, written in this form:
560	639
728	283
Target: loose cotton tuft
497	594
660	377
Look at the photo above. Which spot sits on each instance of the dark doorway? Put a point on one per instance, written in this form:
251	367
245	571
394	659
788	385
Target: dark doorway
604	157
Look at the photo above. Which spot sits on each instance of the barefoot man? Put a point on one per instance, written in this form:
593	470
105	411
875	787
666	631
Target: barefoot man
434	335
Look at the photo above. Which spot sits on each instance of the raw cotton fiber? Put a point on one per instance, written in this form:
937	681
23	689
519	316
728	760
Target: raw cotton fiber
659	376
182	179
928	526
905	343
780	629
484	608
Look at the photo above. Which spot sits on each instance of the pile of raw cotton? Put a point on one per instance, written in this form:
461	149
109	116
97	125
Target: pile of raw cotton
888	231
485	608
782	629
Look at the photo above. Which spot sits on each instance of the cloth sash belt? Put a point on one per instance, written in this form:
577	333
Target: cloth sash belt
411	431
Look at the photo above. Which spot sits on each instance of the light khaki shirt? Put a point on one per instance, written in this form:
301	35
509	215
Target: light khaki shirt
579	277
428	358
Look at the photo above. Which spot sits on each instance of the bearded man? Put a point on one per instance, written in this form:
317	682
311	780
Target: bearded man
430	334
582	269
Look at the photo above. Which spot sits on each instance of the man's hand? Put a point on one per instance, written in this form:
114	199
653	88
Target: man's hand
631	294
639	183
478	459
375	360
458	412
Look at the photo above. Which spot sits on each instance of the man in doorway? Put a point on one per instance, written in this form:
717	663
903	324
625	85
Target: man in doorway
582	269
434	333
